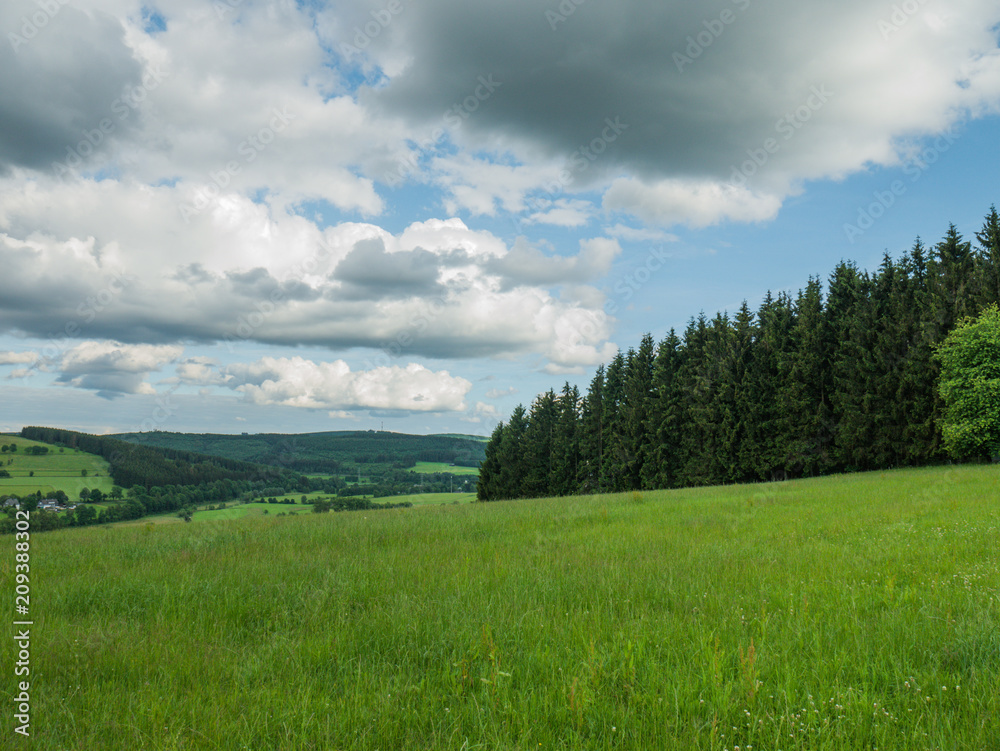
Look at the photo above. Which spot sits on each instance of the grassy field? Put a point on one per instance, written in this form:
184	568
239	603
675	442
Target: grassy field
850	612
235	510
425	468
239	510
432	499
56	470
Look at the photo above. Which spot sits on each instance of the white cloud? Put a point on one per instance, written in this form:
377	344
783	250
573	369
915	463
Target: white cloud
500	393
298	382
112	368
483	186
18	358
483	412
117	262
525	264
199	371
697	203
563	212
639	234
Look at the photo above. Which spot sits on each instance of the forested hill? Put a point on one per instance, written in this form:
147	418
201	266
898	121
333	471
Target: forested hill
830	380
132	465
330	452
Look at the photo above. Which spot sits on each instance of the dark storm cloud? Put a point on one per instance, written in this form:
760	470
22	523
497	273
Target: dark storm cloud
58	82
561	80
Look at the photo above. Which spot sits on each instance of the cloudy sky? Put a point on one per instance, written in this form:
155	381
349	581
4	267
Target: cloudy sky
253	215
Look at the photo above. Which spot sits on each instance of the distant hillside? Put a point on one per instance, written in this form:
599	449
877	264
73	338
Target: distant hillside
339	452
131	464
466	436
32	466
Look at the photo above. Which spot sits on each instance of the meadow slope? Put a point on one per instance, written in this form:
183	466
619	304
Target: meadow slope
60	469
849	612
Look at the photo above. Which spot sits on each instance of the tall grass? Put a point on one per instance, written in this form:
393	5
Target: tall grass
845	613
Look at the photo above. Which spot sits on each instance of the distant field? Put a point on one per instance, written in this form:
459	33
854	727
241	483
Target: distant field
432	499
236	510
57	470
239	510
836	614
425	468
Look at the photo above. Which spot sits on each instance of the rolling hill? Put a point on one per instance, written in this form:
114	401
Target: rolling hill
338	452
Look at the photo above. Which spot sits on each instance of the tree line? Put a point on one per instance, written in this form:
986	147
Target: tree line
340	452
828	380
131	464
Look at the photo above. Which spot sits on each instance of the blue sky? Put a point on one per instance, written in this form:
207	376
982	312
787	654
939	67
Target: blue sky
277	216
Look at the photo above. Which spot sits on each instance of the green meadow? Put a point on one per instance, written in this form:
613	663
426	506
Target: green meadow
56	470
425	468
849	612
236	510
433	499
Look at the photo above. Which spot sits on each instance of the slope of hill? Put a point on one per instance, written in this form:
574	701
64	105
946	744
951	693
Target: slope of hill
131	464
848	612
342	452
38	466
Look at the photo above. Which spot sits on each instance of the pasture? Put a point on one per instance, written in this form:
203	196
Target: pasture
848	612
426	468
59	469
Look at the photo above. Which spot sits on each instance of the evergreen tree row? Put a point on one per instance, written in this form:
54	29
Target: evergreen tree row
825	381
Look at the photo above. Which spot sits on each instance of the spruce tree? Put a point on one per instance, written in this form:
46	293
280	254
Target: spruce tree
987	260
744	432
694	446
660	468
489	486
538	445
768	379
513	464
566	443
615	456
592	435
917	390
851	324
805	399
638	397
955	264
718	412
